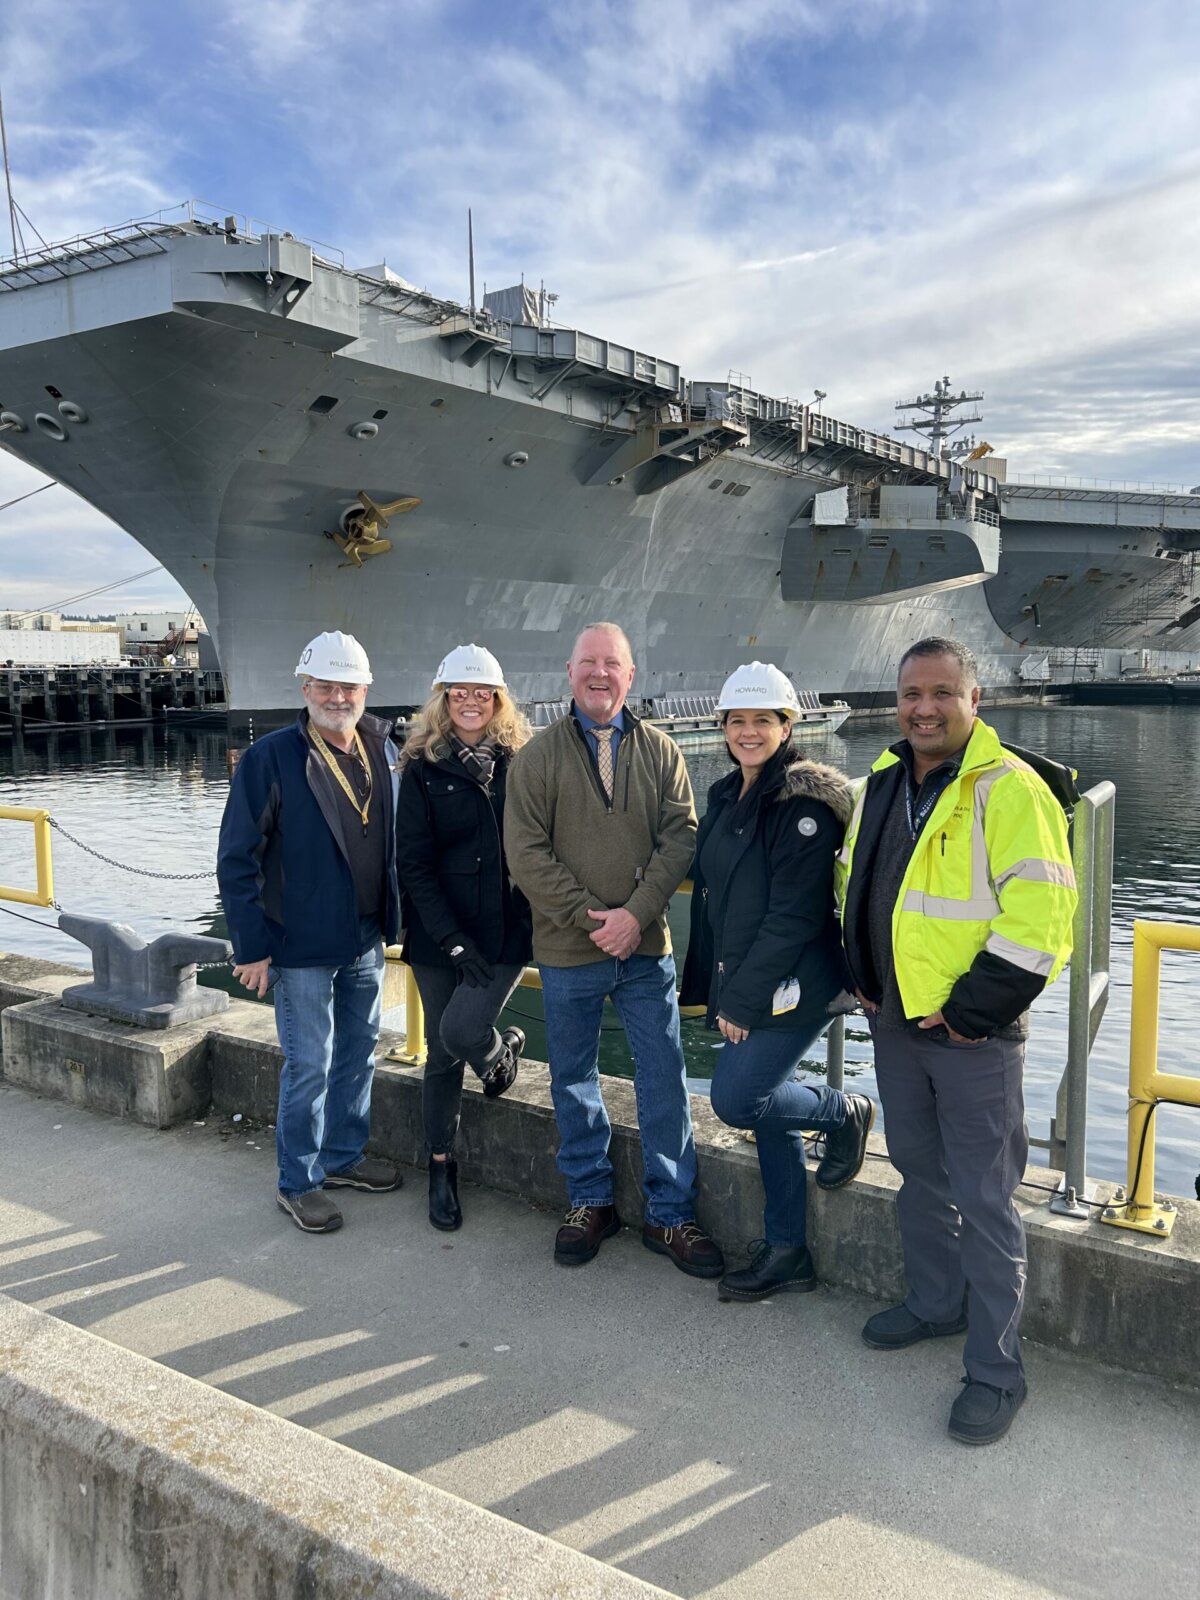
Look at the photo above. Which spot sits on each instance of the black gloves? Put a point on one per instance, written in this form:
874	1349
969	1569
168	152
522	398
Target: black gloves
468	961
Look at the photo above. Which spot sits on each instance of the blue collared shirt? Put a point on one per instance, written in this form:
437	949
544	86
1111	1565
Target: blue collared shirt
588	723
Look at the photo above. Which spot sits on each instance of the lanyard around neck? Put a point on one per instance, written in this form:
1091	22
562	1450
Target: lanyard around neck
918	816
363	808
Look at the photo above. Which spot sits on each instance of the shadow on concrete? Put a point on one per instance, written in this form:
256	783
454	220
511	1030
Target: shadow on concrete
715	1450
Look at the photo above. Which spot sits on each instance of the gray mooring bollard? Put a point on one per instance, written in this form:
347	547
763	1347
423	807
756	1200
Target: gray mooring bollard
150	985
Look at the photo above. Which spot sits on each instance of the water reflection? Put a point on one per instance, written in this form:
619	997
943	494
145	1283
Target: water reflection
153	797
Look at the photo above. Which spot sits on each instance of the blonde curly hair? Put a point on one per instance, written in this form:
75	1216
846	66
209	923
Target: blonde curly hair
430	737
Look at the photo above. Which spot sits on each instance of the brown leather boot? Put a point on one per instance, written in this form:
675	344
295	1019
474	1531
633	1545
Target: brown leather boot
583	1232
688	1246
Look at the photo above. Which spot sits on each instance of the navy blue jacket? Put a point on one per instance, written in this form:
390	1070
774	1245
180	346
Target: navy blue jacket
282	865
775	908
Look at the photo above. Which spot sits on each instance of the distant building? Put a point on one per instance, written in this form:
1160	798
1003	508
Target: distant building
146	637
58	647
159	634
152	627
30	621
91	625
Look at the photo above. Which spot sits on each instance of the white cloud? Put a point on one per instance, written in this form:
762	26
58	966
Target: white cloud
54	546
853	198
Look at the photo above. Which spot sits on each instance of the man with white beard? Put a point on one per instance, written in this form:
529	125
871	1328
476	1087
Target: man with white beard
307	870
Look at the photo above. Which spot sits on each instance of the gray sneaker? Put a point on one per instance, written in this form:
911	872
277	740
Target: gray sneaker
371	1174
313	1213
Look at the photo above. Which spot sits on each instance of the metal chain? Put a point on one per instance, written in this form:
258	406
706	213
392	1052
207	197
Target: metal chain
144	872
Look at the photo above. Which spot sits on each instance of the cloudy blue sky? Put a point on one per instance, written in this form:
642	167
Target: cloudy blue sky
856	197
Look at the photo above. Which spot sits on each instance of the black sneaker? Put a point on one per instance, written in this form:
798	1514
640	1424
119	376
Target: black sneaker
371	1174
504	1074
846	1147
776	1269
896	1328
312	1213
983	1413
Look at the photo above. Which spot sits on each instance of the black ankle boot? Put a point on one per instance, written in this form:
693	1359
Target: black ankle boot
846	1147
444	1210
504	1074
776	1269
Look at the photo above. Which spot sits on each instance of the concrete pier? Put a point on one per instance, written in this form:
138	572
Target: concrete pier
619	1410
719	1451
139	1483
1124	1298
33	697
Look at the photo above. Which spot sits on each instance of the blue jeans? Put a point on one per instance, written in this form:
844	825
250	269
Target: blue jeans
643	991
328	1024
753	1087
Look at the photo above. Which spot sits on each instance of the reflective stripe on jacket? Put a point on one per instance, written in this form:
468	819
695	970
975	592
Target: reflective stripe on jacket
991	872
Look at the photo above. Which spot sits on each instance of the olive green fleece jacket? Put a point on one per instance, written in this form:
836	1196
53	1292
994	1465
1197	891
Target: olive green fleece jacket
571	851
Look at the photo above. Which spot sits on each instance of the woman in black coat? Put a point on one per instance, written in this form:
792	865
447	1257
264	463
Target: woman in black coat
467	926
765	958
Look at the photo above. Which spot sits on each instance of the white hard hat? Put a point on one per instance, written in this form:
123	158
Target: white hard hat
759	686
337	657
469	663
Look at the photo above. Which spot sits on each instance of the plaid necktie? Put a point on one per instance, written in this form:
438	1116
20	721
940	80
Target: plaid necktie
604	759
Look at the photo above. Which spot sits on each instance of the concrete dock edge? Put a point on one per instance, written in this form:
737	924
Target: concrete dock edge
123	1479
1124	1299
1121	1298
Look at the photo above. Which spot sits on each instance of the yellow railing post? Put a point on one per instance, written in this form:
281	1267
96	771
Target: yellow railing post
414	1019
43	895
412	1052
1147	1085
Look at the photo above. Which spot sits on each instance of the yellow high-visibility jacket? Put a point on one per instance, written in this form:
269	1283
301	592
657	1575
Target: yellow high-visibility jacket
982	921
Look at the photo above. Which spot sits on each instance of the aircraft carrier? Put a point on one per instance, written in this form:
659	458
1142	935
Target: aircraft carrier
304	446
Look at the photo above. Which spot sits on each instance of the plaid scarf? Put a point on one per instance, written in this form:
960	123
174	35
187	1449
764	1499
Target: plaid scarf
479	759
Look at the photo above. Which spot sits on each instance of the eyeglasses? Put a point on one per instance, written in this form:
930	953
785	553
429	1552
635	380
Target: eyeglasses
326	691
460	693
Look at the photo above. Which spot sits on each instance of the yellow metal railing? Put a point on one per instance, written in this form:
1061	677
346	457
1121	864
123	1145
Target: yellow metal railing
412	1052
43	895
1148	1087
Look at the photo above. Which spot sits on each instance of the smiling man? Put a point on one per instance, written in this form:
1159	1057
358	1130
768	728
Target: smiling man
958	894
307	870
599	832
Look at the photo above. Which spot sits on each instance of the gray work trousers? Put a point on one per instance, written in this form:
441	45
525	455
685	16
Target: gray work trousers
954	1120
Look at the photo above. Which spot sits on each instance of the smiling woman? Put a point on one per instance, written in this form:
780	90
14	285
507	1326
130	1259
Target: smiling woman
764	957
467	928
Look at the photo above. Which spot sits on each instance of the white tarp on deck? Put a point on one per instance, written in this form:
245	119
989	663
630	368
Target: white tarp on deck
831	507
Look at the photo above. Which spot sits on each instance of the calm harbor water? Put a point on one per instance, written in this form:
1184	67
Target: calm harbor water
153	798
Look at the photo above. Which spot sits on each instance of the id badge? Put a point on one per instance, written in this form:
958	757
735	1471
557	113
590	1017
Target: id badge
786	997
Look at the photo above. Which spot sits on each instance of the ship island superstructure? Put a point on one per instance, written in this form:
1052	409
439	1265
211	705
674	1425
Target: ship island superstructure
304	446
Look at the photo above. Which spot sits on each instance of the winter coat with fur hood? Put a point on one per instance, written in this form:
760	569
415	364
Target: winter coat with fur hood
771	917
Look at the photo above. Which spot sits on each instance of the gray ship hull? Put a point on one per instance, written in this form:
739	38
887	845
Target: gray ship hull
1090	567
225	400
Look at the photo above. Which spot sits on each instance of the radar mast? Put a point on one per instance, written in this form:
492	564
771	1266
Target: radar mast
937	419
